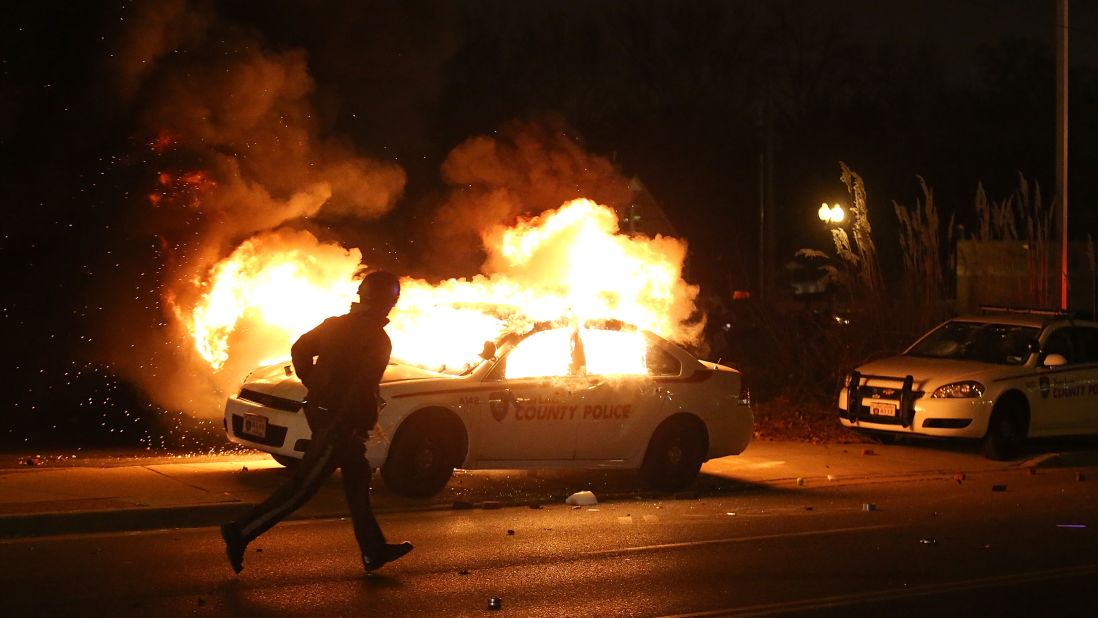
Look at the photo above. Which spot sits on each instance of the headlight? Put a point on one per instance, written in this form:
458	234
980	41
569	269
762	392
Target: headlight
958	390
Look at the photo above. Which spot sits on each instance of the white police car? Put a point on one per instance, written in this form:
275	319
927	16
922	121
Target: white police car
602	396
1001	377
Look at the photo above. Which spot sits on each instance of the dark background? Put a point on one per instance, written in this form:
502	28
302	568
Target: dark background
675	93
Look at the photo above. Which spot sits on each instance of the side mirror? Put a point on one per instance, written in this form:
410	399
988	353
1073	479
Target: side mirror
1055	360
488	352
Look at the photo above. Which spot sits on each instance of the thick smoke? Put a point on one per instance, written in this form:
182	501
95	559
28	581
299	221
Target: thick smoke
525	168
234	151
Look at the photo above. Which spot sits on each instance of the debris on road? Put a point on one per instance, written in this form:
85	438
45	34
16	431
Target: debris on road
998	488
959	477
495	603
868	451
582	498
510	533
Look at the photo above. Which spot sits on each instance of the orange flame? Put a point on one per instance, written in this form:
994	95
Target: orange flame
567	265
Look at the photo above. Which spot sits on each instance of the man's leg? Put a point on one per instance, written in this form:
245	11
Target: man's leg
356	484
317	466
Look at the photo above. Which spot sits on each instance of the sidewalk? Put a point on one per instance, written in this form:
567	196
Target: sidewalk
48	500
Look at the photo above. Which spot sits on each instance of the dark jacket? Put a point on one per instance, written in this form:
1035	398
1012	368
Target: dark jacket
351	353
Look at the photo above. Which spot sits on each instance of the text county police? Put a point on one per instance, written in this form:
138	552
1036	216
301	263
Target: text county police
565	412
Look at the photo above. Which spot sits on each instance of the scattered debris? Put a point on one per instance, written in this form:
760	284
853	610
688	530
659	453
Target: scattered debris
868	451
960	476
998	488
462	505
928	540
869	506
582	498
808	508
490	505
495	603
510	533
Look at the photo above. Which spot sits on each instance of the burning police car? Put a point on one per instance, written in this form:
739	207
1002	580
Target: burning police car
1000	377
600	396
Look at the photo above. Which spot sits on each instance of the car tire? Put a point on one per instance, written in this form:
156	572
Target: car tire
1005	432
421	459
675	454
286	461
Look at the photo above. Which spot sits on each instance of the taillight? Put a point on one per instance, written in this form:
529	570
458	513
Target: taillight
745	392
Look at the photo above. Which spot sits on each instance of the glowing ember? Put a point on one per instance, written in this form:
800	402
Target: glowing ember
565	266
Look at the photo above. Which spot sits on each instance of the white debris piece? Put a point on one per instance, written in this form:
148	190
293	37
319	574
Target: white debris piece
582	498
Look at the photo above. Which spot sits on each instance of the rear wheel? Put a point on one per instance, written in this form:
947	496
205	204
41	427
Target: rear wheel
674	455
421	458
1005	431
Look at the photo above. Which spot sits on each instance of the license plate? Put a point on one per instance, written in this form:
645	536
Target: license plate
880	408
255	425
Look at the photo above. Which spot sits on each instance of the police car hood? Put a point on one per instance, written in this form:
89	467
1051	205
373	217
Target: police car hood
279	379
929	373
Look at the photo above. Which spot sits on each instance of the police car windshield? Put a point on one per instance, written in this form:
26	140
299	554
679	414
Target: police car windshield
1001	344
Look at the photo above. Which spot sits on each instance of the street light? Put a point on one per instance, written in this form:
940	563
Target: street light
832	214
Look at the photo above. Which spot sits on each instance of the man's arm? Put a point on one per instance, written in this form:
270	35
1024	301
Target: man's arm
304	350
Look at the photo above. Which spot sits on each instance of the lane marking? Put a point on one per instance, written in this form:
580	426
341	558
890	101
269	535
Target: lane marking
730	541
878	596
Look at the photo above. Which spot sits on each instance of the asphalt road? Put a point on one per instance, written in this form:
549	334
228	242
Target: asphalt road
925	546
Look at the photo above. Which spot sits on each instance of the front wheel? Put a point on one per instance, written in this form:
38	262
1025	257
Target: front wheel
421	459
1005	432
286	461
674	455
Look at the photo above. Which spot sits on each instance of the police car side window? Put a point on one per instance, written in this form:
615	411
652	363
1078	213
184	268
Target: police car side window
1059	342
662	363
1086	344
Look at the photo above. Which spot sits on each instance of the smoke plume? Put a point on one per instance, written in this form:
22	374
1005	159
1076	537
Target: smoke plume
234	151
526	168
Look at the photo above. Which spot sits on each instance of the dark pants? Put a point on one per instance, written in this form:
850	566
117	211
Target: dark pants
330	448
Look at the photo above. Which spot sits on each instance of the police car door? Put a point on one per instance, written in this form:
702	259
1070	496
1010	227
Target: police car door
1068	392
621	401
532	414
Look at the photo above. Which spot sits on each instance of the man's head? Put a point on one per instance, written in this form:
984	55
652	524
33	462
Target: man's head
379	291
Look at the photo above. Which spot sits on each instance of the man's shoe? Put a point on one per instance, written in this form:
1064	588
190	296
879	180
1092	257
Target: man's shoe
234	546
388	553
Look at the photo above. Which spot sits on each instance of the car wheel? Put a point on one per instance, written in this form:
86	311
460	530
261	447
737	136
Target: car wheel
286	461
421	459
1005	432
674	455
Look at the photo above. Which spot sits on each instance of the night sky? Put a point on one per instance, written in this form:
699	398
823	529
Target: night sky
395	103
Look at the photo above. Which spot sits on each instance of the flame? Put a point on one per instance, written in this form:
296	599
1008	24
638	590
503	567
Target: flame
566	266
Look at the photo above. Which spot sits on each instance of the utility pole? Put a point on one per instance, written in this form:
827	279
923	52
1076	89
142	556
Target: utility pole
1062	141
